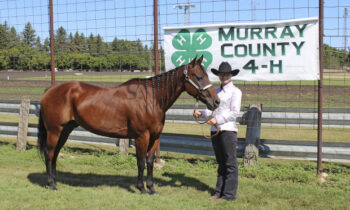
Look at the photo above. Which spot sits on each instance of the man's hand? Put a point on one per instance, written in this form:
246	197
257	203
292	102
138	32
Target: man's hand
197	113
212	121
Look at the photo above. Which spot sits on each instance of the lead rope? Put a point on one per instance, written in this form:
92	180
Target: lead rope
204	122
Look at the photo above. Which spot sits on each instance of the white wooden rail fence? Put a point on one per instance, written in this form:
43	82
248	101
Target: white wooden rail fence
198	144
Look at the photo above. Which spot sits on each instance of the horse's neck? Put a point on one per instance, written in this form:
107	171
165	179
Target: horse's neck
172	88
178	90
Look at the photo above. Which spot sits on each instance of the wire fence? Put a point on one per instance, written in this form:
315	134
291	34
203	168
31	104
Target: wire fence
107	42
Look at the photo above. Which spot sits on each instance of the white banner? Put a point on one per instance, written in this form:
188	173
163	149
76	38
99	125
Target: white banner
269	51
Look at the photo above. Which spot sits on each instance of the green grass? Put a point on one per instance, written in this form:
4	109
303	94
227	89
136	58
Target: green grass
15	118
16	90
93	177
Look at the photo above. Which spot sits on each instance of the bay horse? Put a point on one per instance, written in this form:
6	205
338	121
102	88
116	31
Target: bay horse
135	109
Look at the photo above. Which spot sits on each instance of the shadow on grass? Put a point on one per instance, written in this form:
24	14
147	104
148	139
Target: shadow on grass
5	143
126	182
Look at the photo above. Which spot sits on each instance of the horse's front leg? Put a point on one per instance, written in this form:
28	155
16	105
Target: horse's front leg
141	144
150	162
141	167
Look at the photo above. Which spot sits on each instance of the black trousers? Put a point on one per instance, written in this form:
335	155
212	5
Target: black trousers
224	145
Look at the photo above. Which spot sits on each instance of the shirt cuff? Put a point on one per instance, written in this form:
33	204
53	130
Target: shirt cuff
203	114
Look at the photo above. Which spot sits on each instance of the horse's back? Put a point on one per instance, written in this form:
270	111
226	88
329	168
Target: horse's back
58	102
69	89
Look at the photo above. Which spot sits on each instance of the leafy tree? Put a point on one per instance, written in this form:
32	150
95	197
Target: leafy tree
61	40
46	46
91	44
14	38
64	61
81	61
114	44
14	55
83	47
28	35
334	58
72	47
79	42
4	37
38	44
4	60
26	58
138	46
99	45
6	26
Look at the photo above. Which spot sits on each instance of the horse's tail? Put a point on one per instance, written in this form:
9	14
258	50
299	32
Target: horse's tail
42	134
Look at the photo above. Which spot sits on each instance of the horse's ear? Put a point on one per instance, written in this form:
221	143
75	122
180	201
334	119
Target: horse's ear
199	61
193	61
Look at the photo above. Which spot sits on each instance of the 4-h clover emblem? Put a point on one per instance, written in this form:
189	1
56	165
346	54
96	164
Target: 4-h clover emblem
188	49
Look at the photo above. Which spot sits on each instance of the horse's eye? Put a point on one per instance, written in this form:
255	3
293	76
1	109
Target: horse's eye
199	78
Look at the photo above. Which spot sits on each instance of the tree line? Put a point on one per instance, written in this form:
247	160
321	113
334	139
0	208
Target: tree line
26	51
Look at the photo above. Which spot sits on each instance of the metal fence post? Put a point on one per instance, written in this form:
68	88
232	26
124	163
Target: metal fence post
23	125
320	90
52	51
156	56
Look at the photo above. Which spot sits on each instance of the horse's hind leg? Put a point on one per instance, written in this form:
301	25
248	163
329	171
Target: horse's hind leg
53	151
49	152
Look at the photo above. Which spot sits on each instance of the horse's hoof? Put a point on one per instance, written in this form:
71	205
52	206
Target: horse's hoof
53	188
154	193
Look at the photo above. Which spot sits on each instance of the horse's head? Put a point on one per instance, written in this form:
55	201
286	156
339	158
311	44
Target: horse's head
198	85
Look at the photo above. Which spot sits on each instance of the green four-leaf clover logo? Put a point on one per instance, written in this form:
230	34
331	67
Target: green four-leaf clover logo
188	49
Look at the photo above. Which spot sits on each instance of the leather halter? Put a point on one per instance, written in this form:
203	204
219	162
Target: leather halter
200	90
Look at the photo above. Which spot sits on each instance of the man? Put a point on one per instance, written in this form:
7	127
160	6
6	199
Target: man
225	143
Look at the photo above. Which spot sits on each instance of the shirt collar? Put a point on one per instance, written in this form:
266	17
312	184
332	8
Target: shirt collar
226	87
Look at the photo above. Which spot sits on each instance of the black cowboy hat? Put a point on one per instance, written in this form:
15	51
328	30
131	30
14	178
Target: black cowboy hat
225	68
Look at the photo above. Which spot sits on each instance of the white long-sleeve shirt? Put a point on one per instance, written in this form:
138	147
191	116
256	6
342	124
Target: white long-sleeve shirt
228	110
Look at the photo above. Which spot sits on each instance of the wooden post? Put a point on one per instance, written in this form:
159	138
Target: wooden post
158	154
23	125
159	163
156	55
124	146
253	122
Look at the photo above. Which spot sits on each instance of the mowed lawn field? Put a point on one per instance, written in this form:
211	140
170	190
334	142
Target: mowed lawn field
93	176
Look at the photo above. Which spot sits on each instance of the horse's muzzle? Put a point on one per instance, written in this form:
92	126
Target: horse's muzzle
214	105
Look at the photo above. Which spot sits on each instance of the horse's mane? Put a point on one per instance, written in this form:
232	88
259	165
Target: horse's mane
163	85
160	83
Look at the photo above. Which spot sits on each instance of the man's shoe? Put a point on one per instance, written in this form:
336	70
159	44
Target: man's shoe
214	198
227	199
